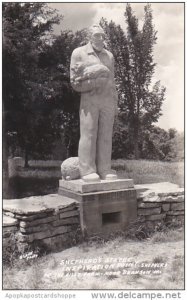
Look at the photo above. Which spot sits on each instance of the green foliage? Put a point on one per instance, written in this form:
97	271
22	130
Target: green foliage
56	60
160	144
122	146
39	104
155	144
25	84
139	104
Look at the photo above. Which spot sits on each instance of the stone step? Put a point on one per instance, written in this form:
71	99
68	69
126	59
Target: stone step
79	186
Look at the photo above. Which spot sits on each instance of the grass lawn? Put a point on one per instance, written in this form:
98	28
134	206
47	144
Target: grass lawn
146	171
40	179
155	263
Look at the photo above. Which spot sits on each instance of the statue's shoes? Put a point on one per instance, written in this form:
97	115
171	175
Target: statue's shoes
110	175
93	177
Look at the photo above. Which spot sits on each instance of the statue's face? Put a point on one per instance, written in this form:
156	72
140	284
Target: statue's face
97	39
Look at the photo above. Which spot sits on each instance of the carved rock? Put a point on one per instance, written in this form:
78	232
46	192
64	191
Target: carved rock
70	168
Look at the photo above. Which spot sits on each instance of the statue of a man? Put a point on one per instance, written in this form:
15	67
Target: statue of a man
92	74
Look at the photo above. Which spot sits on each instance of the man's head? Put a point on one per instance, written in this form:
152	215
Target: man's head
97	36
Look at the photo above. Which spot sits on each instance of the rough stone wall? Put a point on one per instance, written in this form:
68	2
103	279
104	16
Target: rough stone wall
161	207
52	229
53	221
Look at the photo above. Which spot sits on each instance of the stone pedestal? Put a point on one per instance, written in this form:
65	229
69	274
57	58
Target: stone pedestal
105	206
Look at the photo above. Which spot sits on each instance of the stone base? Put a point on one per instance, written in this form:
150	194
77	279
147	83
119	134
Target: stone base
109	206
80	186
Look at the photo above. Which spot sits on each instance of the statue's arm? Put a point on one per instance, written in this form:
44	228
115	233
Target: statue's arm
114	85
79	84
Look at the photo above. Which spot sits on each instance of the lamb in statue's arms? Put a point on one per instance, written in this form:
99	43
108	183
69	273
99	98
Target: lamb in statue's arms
82	71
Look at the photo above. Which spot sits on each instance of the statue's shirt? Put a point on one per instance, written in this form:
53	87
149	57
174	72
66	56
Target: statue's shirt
87	67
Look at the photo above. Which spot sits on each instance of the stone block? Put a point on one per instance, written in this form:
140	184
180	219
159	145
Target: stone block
55	243
103	212
71	207
160	187
174	219
173	199
60	242
177	206
33	229
67	221
174	193
159	192
37	205
32	217
47	233
36	222
70	194
175	213
80	186
180	198
69	214
7	213
151	198
155	217
165	206
149	211
49	226
148	204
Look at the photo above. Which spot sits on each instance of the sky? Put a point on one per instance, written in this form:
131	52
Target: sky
168	19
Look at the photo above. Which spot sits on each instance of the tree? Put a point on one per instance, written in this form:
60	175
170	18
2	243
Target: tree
139	103
26	29
159	144
121	144
56	60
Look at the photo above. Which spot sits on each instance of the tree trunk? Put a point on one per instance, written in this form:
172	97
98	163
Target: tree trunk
136	139
136	149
